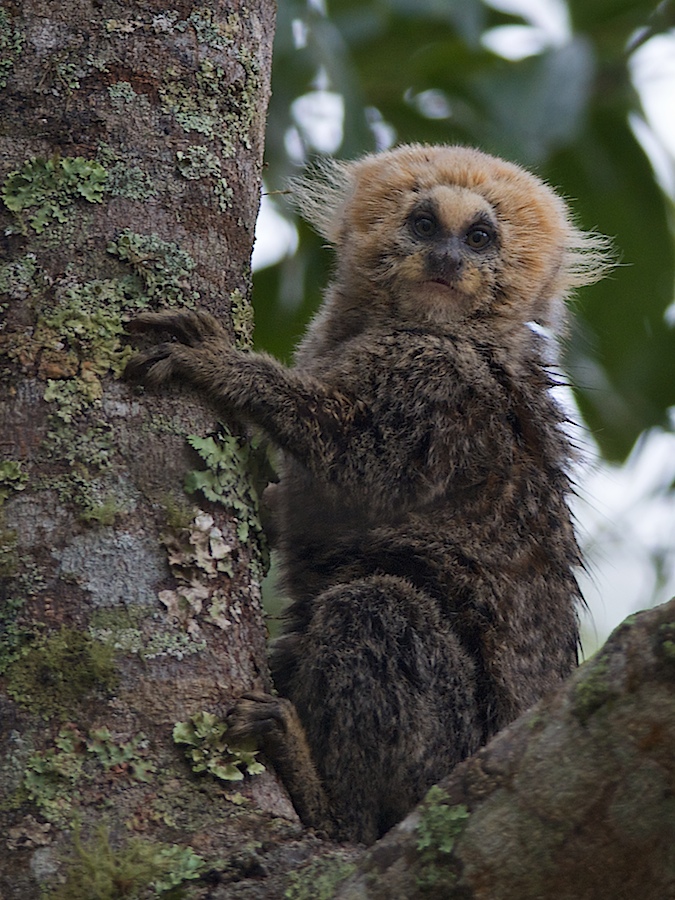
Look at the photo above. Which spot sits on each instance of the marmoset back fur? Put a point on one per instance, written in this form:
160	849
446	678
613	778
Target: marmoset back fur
424	532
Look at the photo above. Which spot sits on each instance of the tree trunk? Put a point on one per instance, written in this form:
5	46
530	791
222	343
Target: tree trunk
130	157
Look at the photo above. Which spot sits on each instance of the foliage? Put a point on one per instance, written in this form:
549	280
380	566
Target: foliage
99	872
418	70
207	749
230	477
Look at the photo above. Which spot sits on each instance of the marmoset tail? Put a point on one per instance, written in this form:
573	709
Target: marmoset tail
424	533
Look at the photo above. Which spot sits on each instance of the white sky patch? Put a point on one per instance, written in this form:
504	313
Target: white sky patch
319	117
549	15
548	26
275	236
627	527
300	32
653	71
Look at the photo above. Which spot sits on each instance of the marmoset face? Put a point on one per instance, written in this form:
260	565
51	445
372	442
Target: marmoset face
445	258
447	233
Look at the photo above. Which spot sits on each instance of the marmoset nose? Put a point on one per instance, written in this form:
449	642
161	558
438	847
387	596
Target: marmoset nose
445	263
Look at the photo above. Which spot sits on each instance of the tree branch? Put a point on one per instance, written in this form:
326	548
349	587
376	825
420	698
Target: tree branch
575	800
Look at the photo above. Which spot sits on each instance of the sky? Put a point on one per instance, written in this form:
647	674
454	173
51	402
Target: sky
625	516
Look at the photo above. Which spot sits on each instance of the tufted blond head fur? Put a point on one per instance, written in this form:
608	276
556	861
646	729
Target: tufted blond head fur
533	255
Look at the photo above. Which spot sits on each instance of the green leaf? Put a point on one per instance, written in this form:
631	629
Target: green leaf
622	351
532	107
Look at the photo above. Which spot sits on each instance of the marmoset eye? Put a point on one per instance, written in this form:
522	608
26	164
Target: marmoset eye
424	226
478	238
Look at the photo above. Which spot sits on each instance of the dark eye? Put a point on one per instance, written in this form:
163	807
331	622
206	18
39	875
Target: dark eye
424	226
478	238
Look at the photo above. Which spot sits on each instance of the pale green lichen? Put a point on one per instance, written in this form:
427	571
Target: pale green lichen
198	108
18	581
229	478
103	513
64	70
319	879
65	74
213	106
130	182
52	774
12	478
9	557
85	328
206	747
440	825
206	101
241	313
666	640
78	342
46	190
74	445
163	267
22	279
11	632
124	756
78	488
130	631
593	688
11	43
53	777
237	470
211	32
208	30
198	163
122	91
224	194
72	396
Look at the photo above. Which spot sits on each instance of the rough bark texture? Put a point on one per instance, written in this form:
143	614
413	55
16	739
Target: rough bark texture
130	156
574	801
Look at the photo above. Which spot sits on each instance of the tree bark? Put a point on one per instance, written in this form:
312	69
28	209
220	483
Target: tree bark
131	144
574	801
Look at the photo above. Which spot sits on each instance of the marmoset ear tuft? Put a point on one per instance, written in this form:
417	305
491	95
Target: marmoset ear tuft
320	194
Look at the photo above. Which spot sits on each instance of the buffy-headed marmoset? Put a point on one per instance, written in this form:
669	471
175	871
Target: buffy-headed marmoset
424	534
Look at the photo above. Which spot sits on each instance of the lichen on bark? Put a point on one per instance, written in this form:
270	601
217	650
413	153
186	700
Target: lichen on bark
100	221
